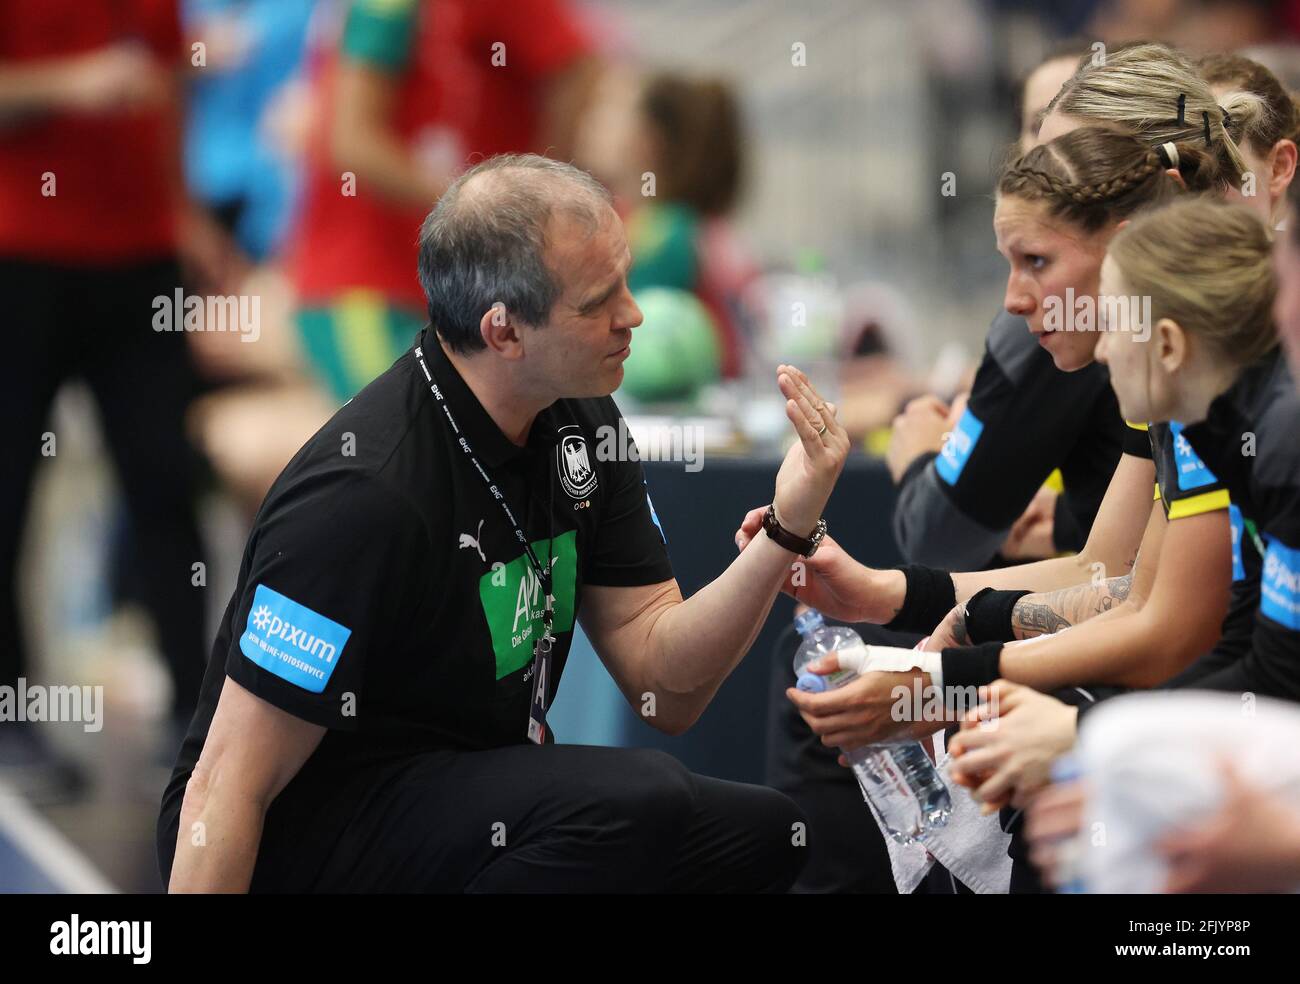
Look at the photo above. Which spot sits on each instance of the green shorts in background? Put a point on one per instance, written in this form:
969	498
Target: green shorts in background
351	341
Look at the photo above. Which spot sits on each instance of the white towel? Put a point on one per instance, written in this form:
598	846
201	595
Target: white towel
971	846
1153	765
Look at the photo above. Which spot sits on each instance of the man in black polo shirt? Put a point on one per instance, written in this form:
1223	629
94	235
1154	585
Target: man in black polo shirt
373	714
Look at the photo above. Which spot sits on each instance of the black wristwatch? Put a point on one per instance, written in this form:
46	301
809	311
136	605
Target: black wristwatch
778	534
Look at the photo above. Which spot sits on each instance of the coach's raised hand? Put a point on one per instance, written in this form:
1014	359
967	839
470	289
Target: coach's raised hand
808	474
830	580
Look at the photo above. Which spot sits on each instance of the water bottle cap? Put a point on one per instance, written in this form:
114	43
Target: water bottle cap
808	622
812	683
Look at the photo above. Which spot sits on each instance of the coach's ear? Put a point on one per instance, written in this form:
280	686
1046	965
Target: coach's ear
500	332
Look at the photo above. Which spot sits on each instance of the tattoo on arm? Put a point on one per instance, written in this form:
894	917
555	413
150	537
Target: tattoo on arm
1051	611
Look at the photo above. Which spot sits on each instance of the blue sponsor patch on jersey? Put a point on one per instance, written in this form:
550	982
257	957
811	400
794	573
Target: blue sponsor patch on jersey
956	450
1279	588
1238	531
292	641
1192	473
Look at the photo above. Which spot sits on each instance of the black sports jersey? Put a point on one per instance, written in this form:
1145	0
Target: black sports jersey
1025	418
1249	439
1137	441
383	593
1186	486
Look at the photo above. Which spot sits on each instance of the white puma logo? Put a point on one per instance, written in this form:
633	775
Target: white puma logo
472	541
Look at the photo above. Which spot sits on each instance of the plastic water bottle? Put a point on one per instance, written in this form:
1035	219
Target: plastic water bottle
897	777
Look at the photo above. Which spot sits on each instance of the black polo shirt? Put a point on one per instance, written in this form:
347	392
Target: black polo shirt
383	593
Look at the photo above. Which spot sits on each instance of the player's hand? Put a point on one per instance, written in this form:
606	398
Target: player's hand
1252	844
830	580
1031	535
870	709
1006	746
1052	823
921	427
950	632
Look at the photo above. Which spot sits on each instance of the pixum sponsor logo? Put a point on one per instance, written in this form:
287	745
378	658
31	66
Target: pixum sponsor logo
102	938
36	703
274	627
1106	313
241	314
667	442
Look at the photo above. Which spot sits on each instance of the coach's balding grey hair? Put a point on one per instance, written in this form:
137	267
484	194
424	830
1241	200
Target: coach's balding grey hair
484	243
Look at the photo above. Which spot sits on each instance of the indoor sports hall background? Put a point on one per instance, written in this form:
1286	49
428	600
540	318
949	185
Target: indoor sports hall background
838	154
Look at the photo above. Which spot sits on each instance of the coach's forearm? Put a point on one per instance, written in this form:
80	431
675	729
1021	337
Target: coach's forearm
217	843
698	642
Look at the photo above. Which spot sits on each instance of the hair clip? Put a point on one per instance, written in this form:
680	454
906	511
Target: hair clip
1206	118
1227	117
1169	154
1182	109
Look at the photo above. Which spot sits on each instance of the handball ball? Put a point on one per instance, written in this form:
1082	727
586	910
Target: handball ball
675	351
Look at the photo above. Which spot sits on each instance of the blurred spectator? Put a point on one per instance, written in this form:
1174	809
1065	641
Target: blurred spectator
252	50
671	148
94	228
408	91
1040	87
1194	25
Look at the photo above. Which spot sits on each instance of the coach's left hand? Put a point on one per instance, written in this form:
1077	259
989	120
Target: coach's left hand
810	469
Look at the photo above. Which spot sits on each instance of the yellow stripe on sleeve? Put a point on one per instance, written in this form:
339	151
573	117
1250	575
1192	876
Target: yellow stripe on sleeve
1197	504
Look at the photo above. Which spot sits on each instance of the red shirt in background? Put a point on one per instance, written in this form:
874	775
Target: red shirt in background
114	172
453	106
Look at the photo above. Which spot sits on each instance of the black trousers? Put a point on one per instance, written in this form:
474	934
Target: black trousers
95	324
554	818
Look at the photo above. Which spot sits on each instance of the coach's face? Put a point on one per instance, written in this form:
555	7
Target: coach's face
583	346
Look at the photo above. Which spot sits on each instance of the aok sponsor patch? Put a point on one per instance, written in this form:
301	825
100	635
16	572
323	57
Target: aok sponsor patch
1279	588
292	641
957	449
512	599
